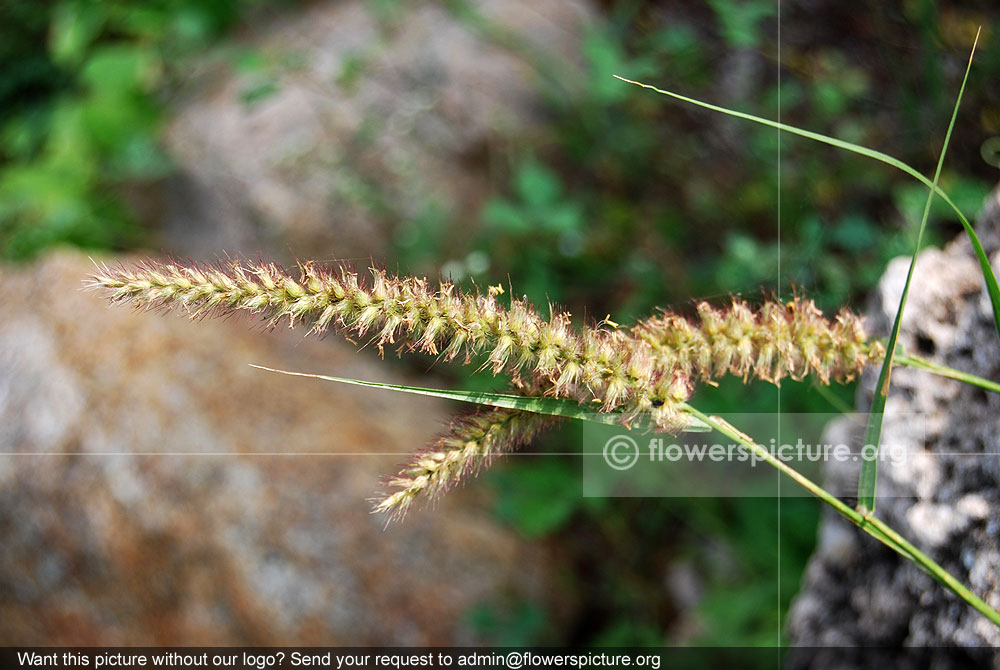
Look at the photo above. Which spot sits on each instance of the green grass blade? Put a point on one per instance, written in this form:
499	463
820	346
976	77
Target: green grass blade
984	262
912	361
563	407
870	523
873	434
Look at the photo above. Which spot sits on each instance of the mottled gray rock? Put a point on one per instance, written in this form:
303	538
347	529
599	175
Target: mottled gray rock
940	490
370	123
156	490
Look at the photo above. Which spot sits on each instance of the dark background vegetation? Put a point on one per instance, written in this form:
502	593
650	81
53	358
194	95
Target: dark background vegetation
631	202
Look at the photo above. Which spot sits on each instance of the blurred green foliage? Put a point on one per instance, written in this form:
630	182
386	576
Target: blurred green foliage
82	88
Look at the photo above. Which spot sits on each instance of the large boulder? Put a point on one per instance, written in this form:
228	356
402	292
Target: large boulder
349	125
940	490
156	490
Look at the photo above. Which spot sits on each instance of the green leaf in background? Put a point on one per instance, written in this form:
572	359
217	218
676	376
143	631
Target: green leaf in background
629	634
70	152
122	67
540	207
139	157
538	498
536	185
505	216
75	25
522	625
740	21
604	57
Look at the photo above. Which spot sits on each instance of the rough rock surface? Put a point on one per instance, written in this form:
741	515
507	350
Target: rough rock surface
186	498
942	490
363	123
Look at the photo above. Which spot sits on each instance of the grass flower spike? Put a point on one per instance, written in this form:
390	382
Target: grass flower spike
777	340
471	444
648	369
595	365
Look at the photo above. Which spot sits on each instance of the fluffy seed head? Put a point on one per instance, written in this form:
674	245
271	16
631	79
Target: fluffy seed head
649	368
